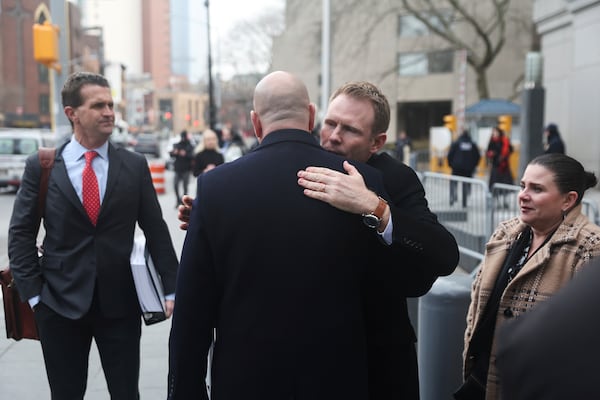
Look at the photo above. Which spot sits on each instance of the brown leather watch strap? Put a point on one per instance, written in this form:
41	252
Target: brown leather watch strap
380	208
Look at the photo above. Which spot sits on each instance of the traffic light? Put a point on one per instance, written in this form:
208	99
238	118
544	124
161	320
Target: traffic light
45	44
505	123
450	122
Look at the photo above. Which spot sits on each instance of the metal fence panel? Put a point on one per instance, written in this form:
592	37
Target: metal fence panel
461	205
471	212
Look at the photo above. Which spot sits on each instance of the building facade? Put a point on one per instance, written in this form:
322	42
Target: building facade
180	110
122	27
156	34
25	85
419	72
569	31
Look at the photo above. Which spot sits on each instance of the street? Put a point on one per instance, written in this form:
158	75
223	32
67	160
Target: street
22	372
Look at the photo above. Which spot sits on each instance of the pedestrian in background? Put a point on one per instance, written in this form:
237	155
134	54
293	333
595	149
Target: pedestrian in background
463	158
553	143
183	152
233	146
82	288
209	157
498	155
403	148
527	260
498	152
280	278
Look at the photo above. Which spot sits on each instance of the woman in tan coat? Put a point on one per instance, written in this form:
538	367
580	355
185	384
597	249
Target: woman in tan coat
527	260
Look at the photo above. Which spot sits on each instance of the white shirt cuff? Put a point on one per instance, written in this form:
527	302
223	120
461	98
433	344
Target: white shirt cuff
386	235
33	301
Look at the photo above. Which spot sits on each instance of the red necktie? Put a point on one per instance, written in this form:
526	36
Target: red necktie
89	188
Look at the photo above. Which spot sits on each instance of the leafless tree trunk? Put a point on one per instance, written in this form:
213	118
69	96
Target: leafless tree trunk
247	47
443	18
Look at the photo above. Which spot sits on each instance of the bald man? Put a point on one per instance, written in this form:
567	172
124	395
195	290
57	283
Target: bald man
277	275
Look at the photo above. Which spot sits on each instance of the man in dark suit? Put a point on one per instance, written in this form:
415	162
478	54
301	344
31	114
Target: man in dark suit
83	287
419	248
552	352
278	275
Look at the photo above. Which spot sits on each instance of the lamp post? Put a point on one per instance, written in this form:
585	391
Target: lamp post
325	57
60	123
532	111
211	98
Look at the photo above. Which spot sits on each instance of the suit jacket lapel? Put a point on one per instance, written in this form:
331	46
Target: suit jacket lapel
114	167
61	177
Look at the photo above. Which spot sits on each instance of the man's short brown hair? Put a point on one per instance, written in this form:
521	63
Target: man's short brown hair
370	92
71	91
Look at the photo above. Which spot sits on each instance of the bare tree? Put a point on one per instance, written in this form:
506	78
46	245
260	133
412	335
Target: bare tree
444	19
477	26
247	46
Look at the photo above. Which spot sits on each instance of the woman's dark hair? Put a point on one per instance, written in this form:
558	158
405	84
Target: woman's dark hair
569	174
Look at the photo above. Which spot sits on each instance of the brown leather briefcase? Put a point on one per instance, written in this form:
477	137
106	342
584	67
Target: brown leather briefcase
20	322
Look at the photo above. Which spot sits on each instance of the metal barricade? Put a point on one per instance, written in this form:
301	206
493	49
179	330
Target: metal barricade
473	222
461	205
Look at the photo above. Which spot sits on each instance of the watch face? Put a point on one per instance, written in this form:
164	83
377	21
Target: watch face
371	221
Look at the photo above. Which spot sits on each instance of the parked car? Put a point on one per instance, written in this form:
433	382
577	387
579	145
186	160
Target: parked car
120	136
15	145
147	143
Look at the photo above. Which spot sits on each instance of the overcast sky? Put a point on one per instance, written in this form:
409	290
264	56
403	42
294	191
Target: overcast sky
224	13
224	16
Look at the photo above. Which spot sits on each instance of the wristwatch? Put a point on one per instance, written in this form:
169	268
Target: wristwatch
373	220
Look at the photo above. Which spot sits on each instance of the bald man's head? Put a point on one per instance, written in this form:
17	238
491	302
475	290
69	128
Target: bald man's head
281	102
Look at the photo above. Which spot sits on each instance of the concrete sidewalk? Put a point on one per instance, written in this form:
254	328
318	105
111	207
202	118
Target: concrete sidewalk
23	376
22	371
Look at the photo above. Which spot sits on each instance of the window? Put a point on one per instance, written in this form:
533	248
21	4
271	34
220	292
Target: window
7	146
435	62
411	26
44	104
18	145
441	62
26	146
42	73
413	64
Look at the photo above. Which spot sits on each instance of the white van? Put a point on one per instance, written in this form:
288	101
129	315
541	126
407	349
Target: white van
16	144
